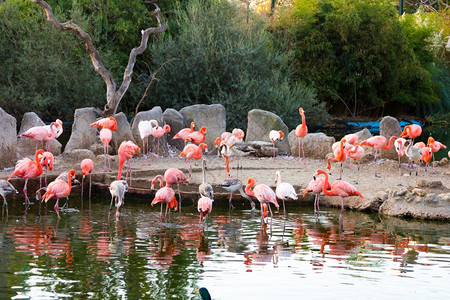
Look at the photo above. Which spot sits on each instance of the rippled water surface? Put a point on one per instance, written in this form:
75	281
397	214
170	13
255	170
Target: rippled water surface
89	253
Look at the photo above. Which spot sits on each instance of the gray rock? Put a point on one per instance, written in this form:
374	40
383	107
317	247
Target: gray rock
8	140
83	136
123	132
78	155
419	192
154	114
259	125
213	117
363	135
389	126
382	195
26	146
175	120
316	145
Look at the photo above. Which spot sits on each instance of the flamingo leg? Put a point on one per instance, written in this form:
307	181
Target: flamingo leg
27	201
284	208
229	201
165	215
82	185
342	205
56	208
299	157
160	214
90	187
303	151
179	196
271	215
4	201
262	214
376	165
273	147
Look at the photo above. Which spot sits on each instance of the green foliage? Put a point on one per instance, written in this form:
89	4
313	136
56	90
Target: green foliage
358	53
218	57
43	70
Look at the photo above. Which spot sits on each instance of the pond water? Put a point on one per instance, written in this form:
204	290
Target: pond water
89	253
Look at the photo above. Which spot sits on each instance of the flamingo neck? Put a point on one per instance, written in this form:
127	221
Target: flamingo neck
36	158
388	146
248	188
326	184
303	121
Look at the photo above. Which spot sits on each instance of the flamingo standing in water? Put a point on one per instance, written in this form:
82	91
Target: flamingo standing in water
6	188
340	154
158	132
205	189
59	189
87	166
411	131
192	151
264	194
164	195
126	151
118	188
105	137
183	133
204	207
175	176
300	132
284	190
275	136
26	168
378	142
339	188
315	186
46	159
235	185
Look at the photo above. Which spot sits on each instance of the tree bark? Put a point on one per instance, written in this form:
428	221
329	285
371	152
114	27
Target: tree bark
113	95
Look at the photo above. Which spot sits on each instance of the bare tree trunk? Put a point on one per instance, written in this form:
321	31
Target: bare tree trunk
113	95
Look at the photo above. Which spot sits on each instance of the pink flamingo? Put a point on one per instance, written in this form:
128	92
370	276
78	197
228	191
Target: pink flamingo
411	131
58	126
351	138
109	123
284	190
52	134
26	168
175	176
435	145
158	132
59	189
204	207
315	186
105	137
46	159
37	134
192	151
275	136
340	154
87	166
377	142
400	148
183	133
239	133
300	132
427	154
264	194
339	188
164	195
196	137
126	151
356	152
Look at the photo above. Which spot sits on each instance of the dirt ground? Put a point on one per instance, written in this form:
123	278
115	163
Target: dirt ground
261	169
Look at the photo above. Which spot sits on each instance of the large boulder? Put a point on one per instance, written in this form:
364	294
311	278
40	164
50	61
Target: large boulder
8	140
175	120
154	114
213	117
316	145
260	123
83	136
389	126
26	146
123	132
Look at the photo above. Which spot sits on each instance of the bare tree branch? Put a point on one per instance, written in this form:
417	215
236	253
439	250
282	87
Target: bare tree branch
113	95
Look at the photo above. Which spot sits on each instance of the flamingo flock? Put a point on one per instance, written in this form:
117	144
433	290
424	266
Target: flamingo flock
228	146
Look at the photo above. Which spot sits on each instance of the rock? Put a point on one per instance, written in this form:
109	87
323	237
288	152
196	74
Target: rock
419	192
402	192
389	126
8	140
83	135
154	114
430	184
175	120
78	155
123	132
26	146
382	195
363	135
213	117
316	145
443	161
259	125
